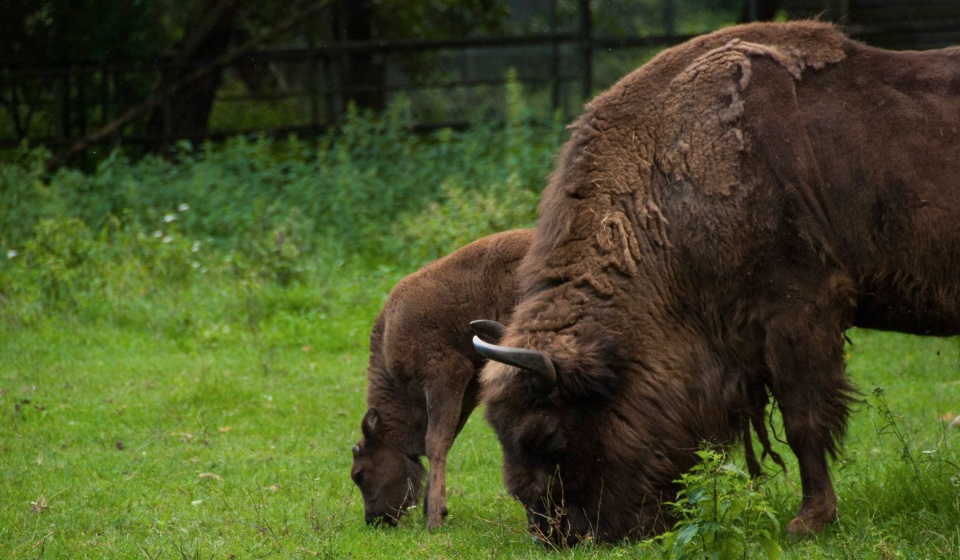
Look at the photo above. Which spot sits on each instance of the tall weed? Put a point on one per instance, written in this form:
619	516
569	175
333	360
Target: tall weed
722	514
25	197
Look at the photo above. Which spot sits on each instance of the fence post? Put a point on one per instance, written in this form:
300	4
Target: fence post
312	78
670	17
81	102
554	57
586	46
64	116
104	94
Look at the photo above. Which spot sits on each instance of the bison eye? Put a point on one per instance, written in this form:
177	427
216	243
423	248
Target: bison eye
357	478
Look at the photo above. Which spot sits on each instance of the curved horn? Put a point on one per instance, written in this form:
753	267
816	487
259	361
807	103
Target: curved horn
491	330
533	361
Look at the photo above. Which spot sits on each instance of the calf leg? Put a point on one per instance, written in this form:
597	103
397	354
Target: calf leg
805	355
446	405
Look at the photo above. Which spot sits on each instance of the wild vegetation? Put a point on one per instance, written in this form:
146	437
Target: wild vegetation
183	344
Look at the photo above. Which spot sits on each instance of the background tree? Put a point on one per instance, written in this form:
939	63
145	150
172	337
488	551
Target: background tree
209	31
361	74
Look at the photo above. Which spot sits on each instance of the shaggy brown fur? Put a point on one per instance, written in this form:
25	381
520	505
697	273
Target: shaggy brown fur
423	373
717	220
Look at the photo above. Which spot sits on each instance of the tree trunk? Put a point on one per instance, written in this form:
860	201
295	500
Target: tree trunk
361	74
758	10
185	115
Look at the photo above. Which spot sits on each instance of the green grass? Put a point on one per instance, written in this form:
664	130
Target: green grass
122	442
195	394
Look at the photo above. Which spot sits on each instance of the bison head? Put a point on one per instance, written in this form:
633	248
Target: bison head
569	447
389	480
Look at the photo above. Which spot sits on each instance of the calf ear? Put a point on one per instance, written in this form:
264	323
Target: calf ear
490	331
370	425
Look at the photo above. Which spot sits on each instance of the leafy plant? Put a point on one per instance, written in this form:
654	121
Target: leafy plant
57	255
462	216
722	514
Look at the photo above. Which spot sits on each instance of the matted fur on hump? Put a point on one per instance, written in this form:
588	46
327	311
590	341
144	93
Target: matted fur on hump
679	115
699	134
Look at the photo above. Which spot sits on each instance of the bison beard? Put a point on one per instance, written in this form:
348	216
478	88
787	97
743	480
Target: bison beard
715	223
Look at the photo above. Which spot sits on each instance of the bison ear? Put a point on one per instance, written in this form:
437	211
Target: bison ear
370	425
491	331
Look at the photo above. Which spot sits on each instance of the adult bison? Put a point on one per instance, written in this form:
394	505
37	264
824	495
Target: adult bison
715	223
423	373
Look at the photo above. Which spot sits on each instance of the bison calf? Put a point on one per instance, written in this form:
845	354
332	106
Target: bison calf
423	373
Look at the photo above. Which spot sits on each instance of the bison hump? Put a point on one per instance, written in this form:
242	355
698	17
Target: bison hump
700	138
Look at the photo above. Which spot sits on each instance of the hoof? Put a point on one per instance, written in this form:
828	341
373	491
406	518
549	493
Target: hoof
434	519
798	528
801	527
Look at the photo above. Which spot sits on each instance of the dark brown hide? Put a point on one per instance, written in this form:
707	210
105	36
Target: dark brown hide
423	374
717	220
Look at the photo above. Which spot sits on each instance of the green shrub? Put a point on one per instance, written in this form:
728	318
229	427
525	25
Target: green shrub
462	216
281	254
261	211
722	514
58	254
26	197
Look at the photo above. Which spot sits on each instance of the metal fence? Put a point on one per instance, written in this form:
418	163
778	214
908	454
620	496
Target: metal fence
447	82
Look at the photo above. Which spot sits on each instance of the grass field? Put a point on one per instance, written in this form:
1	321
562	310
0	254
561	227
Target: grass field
183	346
125	442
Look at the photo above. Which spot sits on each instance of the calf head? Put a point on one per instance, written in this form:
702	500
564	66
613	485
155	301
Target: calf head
389	480
562	441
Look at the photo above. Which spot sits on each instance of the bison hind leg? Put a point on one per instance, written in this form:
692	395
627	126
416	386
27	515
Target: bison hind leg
804	353
450	401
